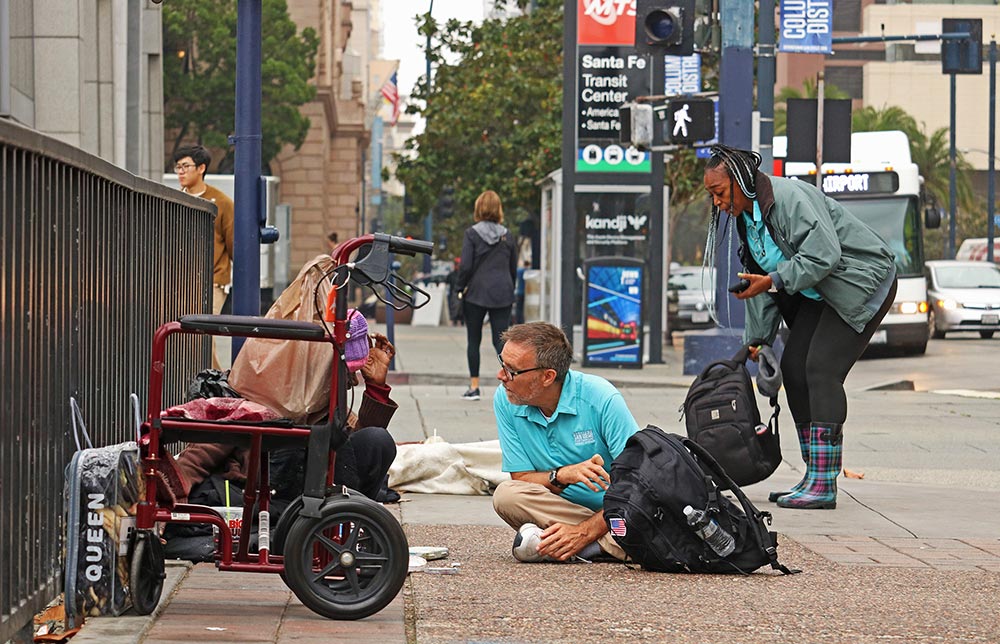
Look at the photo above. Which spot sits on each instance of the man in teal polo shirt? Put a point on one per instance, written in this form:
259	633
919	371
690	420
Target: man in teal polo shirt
558	430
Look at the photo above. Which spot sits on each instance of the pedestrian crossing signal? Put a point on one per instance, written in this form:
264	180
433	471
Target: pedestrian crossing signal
689	120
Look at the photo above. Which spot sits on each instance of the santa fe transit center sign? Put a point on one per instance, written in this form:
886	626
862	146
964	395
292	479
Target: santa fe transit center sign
609	73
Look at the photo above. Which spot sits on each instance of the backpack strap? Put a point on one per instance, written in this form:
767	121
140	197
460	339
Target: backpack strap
757	527
740	357
772	422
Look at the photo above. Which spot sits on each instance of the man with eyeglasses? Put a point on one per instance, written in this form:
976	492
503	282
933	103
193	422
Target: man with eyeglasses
559	431
191	164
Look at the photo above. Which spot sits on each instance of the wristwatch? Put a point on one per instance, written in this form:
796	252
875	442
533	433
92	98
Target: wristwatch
554	480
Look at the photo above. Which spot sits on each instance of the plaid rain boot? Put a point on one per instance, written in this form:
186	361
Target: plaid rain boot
802	429
826	452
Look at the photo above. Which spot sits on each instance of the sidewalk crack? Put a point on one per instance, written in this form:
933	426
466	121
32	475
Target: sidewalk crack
865	505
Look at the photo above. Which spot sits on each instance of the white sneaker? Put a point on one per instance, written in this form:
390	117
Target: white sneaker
526	542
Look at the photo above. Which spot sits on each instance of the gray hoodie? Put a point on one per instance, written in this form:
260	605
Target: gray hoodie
489	265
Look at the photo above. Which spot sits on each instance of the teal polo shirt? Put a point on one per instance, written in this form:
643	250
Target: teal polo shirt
591	418
765	252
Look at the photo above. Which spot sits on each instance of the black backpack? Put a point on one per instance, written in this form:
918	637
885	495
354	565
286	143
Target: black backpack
721	414
652	480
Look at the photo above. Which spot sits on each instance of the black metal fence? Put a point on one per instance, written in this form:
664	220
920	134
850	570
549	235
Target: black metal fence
92	260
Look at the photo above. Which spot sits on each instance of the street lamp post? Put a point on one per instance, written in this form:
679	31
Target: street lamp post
991	192
429	219
991	156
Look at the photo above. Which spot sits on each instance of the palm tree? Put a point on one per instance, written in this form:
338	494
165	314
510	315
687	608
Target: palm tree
809	90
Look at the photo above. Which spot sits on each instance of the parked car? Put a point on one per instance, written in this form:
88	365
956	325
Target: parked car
694	288
964	296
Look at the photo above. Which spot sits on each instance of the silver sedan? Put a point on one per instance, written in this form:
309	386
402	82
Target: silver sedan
964	296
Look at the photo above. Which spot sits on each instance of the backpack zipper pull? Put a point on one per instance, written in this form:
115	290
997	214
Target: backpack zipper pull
680	410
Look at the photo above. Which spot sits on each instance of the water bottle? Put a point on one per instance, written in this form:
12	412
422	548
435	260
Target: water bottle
710	531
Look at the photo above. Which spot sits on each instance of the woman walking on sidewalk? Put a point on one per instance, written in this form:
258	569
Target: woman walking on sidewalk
832	279
486	280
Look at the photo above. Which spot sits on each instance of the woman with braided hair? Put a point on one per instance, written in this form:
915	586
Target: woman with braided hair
832	279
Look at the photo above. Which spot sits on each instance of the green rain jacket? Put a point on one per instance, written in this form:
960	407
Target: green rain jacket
828	249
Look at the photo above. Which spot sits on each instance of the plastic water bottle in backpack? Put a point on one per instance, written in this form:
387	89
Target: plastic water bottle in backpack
710	531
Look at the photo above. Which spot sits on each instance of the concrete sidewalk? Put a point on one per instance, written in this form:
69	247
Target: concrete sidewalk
911	553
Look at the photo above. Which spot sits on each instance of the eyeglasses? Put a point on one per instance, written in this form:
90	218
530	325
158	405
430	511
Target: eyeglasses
181	168
513	374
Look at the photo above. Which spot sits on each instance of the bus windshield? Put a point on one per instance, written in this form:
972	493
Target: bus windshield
896	219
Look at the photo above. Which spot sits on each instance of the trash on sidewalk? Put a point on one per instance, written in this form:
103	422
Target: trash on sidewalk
453	569
429	553
417	563
49	624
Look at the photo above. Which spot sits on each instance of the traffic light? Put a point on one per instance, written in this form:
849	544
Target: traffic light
664	27
446	202
962	56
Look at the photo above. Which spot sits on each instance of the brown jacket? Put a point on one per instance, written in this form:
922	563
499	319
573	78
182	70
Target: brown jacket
222	255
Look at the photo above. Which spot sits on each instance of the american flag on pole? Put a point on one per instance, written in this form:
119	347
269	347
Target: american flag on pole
618	527
390	92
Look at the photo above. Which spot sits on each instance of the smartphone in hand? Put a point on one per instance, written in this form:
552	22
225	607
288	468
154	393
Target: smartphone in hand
740	286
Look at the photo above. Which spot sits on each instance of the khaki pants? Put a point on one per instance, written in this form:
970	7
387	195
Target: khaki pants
218	299
519	502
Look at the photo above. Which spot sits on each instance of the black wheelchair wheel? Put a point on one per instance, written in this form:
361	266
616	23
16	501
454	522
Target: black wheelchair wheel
146	573
285	521
349	563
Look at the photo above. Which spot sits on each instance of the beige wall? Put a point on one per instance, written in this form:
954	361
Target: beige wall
920	88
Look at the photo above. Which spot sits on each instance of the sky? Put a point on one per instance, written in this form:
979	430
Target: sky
399	32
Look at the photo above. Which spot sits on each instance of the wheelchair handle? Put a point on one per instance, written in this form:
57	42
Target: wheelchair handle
403	246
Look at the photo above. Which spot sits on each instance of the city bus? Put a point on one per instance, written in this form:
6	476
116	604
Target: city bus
882	187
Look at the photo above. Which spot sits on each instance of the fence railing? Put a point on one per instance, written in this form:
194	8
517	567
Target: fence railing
92	260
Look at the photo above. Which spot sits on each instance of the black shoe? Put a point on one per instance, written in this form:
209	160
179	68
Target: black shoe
471	394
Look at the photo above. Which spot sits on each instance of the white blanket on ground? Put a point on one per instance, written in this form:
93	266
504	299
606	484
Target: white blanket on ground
442	468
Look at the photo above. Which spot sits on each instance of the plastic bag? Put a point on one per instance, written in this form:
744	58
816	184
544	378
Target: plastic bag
289	376
103	486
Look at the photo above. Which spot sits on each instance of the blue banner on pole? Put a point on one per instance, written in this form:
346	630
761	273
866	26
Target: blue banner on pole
682	75
806	27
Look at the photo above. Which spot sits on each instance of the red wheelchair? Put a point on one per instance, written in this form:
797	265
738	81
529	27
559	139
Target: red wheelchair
342	554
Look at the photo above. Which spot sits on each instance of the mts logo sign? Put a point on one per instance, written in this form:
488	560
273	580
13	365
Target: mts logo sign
605	22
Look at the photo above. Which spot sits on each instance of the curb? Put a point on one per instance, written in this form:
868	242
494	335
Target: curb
130	628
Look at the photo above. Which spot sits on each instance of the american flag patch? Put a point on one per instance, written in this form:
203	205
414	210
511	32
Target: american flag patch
618	527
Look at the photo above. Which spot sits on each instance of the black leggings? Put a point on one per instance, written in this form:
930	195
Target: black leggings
820	351
474	316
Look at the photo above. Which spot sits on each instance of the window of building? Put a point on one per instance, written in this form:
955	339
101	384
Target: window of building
847	17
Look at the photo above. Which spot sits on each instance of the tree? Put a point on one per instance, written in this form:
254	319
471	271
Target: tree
199	75
493	114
